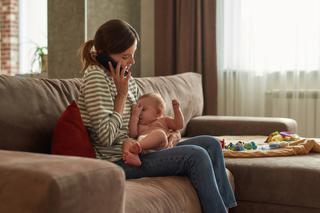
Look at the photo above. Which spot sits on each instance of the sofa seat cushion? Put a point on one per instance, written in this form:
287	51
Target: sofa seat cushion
292	181
163	194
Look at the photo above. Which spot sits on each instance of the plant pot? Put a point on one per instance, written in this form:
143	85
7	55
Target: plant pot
44	63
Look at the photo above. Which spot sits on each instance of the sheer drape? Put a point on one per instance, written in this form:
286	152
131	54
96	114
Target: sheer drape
269	60
185	41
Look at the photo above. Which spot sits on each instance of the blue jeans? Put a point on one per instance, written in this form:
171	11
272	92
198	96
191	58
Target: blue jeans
201	160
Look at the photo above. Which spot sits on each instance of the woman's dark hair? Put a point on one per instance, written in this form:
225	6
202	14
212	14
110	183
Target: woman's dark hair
114	36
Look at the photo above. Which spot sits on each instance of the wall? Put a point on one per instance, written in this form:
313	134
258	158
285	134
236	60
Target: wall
9	37
66	21
147	38
72	22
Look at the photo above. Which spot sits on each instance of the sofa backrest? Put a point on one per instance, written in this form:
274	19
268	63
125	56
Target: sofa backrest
30	108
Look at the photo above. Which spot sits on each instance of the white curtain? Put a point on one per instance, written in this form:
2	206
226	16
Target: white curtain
269	60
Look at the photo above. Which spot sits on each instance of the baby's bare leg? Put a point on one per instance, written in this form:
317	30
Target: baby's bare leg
128	157
154	140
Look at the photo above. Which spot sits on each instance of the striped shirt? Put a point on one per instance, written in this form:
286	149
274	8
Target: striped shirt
107	128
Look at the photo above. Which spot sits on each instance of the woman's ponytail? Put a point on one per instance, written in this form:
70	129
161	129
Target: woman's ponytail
86	55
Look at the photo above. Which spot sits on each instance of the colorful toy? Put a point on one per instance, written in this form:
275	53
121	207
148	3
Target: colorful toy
222	143
277	145
250	145
231	147
237	147
281	136
241	146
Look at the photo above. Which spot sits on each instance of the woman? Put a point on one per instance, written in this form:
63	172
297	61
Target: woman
105	102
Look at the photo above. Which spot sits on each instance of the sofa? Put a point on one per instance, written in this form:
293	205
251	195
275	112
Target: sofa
33	180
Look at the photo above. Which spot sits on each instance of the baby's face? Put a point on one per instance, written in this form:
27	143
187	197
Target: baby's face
149	111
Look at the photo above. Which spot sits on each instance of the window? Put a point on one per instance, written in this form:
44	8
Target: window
270	35
32	32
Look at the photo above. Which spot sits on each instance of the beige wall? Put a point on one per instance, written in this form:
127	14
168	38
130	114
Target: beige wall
72	22
147	38
65	35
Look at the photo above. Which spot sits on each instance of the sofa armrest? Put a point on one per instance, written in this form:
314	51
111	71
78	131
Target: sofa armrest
238	125
49	183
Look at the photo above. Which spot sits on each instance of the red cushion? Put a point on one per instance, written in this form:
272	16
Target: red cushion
70	137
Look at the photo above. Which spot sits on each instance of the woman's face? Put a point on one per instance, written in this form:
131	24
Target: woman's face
126	58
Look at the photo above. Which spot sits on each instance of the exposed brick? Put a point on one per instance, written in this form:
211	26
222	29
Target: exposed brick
9	34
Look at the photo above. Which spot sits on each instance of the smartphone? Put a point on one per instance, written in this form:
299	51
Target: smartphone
103	59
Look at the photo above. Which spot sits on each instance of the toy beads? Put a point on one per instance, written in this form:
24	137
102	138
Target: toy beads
250	145
241	146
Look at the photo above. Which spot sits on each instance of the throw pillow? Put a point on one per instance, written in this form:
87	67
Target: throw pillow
70	137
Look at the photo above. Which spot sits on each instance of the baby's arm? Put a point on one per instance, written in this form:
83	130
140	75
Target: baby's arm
134	121
177	122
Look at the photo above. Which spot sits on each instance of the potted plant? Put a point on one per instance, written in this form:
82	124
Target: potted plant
40	59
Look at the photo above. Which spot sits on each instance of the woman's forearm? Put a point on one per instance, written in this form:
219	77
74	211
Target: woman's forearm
119	104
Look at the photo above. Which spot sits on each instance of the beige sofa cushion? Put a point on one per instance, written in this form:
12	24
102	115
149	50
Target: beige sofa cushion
163	195
291	181
29	110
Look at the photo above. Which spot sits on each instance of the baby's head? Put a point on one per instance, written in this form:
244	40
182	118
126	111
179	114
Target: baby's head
153	107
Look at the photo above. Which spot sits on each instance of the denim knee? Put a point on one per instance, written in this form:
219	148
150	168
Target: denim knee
210	141
198	154
213	146
215	142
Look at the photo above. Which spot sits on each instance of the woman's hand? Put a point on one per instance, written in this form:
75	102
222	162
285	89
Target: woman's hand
121	80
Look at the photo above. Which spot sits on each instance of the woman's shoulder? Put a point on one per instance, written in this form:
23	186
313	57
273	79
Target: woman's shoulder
93	68
94	71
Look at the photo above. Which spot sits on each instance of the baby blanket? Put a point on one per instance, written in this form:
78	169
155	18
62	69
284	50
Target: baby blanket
300	147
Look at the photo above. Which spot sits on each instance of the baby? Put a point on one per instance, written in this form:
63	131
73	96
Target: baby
150	127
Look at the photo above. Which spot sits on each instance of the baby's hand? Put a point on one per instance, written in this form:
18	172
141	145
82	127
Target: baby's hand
175	104
136	110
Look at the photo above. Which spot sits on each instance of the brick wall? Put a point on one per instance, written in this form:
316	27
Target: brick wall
9	37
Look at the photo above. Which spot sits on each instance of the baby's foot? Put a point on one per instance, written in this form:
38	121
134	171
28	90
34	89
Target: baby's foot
132	159
135	148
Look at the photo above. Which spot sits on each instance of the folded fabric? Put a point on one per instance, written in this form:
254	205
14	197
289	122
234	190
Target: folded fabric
300	147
